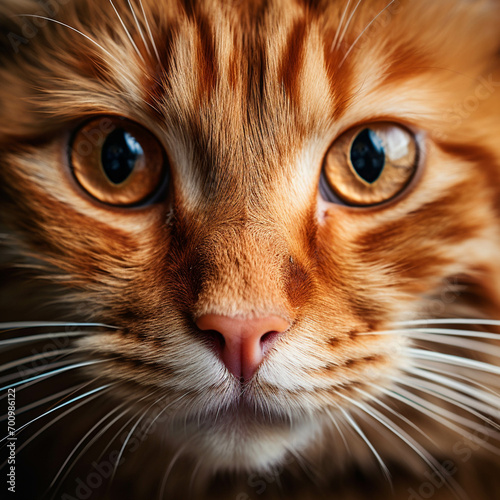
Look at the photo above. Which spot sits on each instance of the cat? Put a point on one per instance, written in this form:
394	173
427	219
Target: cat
250	249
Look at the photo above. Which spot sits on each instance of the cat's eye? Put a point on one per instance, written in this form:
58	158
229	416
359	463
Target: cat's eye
370	164
118	162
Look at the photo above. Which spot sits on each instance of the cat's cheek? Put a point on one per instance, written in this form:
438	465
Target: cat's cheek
326	210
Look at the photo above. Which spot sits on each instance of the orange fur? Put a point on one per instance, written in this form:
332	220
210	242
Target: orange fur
247	98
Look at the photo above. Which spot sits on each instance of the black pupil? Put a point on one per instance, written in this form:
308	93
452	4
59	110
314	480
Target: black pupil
368	156
120	152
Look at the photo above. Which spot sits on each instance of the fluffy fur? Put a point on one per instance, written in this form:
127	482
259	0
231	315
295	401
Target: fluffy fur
247	98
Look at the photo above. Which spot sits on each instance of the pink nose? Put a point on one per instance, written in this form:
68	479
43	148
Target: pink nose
244	341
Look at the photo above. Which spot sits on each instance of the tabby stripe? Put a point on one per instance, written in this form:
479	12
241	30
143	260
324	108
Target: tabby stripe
293	59
205	57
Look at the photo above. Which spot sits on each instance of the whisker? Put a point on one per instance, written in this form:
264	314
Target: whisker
451	397
73	29
437	413
450	321
36	357
150	34
362	435
88	445
127	32
194	472
448	340
101	390
21	377
364	31
346	26
492	403
339	430
52	373
41	402
169	469
129	435
44	336
17	325
430	366
54	420
454	360
139	26
148	428
447	332
481	380
341	22
397	414
413	332
435	466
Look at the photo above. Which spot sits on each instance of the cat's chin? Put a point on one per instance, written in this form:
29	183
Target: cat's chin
241	444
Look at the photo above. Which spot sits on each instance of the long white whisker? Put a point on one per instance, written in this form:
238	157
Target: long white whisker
364	31
347	24
192	479
83	439
339	430
149	32
101	390
35	357
454	360
129	435
341	22
410	332
479	397
38	370
437	413
408	440
127	32
54	420
169	470
139	27
52	373
18	325
148	428
362	435
450	321
73	29
392	411
44	336
41	402
447	332
470	345
430	366
447	395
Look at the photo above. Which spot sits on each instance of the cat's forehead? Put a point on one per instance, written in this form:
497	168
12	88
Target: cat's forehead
289	68
245	96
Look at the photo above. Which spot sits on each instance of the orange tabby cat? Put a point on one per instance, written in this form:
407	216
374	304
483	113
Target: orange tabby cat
264	237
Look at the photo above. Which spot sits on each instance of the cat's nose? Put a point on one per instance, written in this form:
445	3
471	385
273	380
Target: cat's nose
244	342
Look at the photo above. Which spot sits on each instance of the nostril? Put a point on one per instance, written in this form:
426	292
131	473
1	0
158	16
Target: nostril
215	339
242	343
267	340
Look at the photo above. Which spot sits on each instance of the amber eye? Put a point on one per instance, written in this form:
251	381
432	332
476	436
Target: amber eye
118	162
370	164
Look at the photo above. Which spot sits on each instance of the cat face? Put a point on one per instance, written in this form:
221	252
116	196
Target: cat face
257	196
